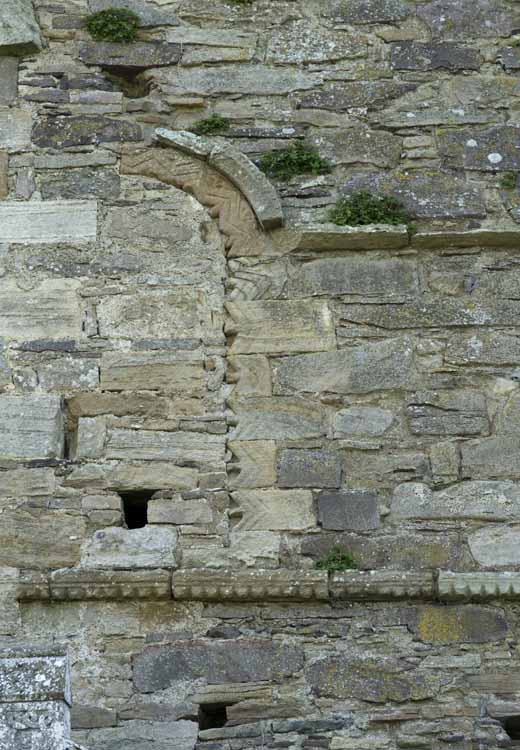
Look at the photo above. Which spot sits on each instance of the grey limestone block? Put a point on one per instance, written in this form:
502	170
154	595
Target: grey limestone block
19	30
423	56
31	426
348	510
309	468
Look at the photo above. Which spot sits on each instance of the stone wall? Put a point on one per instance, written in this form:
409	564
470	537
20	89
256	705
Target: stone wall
205	387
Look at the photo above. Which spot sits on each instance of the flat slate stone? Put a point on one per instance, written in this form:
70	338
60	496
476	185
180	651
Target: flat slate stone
61	132
434	56
19	30
309	468
244	660
35	222
486	150
138	56
461	412
465	18
8	80
31	426
348	511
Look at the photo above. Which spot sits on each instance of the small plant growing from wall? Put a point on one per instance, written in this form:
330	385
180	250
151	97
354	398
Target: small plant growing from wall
214	125
113	25
365	208
508	181
336	561
294	160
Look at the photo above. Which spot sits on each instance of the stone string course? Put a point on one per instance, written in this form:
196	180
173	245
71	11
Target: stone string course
177	329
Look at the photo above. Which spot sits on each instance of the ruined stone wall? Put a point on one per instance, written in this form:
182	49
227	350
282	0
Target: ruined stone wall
181	336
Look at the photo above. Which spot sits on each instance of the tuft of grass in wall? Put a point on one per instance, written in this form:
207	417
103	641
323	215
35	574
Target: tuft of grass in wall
336	561
365	208
508	181
214	125
294	160
113	25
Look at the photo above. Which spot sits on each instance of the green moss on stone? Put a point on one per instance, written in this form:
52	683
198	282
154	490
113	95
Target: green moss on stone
508	181
214	125
113	25
336	561
365	208
294	160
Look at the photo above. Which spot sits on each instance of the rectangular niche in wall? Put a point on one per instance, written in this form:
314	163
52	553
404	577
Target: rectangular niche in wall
135	507
212	715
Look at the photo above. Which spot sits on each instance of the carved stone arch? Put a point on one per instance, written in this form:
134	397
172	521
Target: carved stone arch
237	194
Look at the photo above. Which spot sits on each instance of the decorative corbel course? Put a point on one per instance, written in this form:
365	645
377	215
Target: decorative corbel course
255	585
382	584
82	585
478	585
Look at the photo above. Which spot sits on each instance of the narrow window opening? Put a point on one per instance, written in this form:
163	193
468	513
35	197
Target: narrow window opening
511	725
212	715
135	508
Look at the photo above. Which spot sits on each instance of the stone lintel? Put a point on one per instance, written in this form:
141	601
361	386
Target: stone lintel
382	584
255	585
316	237
485	237
478	585
236	167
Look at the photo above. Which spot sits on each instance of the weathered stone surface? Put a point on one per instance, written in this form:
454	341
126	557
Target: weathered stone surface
478	585
309	468
79	183
448	413
15	129
175	510
491	458
482	348
422	56
26	482
491	150
149	547
329	237
137	56
31	427
471	624
342	97
371	678
154	445
39	538
159	667
430	196
488	18
300	43
48	221
154	734
19	30
149	15
486	500
251	375
496	546
134	475
509	57
60	132
8	80
276	419
79	584
279	327
362	421
246	79
348	511
9	588
371	11
369	367
259	585
182	371
254	463
56	313
91	436
384	584
250	549
4	167
387	278
274	510
360	146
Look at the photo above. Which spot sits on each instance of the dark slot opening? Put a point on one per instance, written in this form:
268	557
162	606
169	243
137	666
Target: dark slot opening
212	715
512	726
135	507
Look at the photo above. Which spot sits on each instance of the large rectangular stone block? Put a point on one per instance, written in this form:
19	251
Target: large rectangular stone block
15	129
280	326
369	367
31	426
182	371
491	458
448	413
19	30
276	419
35	222
348	510
492	501
8	80
309	468
155	445
274	510
49	310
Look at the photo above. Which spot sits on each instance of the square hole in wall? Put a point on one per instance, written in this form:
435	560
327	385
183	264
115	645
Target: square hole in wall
135	507
511	725
212	715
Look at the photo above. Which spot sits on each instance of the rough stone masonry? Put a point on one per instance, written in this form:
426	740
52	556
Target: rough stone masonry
205	387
